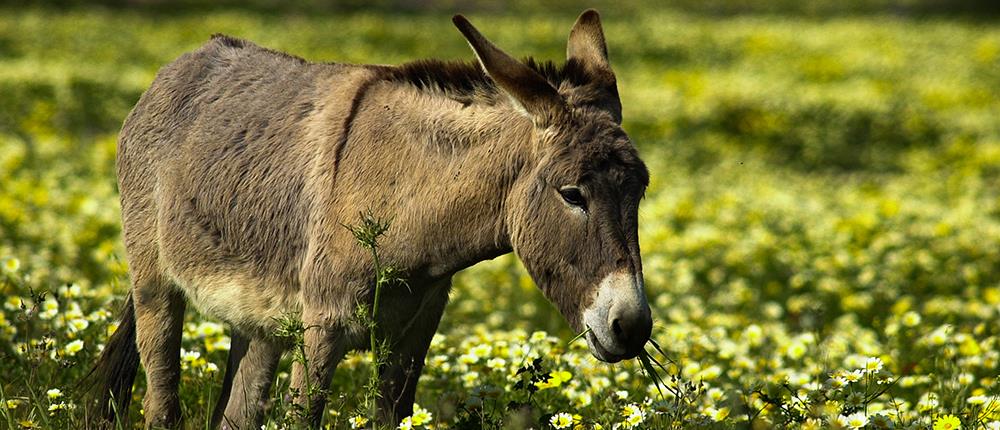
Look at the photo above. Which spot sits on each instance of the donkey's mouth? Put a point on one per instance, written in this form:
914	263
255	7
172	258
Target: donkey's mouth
598	350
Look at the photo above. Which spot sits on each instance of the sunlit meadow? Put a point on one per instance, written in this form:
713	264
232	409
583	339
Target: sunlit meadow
820	240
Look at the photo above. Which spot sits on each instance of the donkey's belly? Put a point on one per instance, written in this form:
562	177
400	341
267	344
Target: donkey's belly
249	304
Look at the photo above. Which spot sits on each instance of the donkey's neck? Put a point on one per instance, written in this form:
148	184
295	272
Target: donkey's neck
451	168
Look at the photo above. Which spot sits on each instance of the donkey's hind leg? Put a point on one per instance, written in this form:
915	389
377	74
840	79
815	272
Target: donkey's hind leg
237	350
247	384
159	313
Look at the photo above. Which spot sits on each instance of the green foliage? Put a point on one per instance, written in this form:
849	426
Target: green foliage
368	231
819	238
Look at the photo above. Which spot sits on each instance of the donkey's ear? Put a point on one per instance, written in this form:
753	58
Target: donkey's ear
586	43
525	86
587	48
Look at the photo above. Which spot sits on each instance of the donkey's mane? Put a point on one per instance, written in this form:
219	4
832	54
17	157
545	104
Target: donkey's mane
466	81
461	80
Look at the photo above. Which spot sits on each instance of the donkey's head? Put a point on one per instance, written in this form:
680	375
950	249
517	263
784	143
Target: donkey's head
572	214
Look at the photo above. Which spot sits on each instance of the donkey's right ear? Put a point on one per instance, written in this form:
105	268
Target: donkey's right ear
530	90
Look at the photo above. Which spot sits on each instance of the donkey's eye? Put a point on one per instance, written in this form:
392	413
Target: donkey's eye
573	196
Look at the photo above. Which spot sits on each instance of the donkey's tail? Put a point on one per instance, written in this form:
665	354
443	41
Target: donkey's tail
110	380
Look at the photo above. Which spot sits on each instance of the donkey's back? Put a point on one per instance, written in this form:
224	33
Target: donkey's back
225	81
216	164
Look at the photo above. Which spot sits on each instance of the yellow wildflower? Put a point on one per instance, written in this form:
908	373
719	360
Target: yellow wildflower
421	416
556	378
11	264
561	420
358	422
73	347
947	422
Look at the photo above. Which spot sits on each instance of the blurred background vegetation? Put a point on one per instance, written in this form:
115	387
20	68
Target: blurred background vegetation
817	167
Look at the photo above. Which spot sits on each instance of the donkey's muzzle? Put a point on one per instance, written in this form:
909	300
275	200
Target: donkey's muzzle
630	326
618	320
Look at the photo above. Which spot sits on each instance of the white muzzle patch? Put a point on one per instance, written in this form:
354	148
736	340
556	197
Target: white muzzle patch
618	289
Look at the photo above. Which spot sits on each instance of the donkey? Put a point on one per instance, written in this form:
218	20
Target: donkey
239	166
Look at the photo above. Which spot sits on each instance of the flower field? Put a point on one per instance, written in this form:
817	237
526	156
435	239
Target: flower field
820	240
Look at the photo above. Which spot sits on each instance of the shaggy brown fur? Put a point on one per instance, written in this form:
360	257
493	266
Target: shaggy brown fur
239	166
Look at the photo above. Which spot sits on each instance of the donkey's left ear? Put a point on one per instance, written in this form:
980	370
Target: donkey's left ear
586	47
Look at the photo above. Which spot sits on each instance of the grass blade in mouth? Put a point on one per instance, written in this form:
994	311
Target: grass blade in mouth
650	372
663	354
647	360
582	334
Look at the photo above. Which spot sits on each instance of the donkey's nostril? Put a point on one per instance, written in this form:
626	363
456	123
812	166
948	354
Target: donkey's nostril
616	328
630	328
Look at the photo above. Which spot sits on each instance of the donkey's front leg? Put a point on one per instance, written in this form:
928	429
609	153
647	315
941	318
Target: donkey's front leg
410	341
325	345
